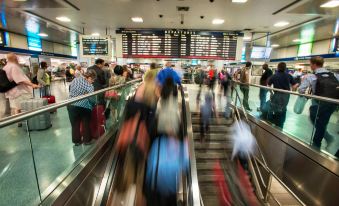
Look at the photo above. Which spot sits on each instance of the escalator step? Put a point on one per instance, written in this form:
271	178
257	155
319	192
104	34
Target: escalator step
222	121
208	189
211	155
214	137
213	145
206	179
214	129
209	200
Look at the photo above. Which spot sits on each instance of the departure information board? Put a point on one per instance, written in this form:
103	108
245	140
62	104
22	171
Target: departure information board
336	45
172	43
94	45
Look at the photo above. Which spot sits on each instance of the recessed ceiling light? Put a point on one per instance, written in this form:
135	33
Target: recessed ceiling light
137	19
239	1
43	34
275	45
95	34
63	19
218	21
20	0
281	24
297	40
330	4
247	38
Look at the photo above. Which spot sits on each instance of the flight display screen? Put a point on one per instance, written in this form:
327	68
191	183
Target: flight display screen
94	46
261	52
172	43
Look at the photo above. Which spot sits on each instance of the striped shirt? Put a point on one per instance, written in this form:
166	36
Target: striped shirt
80	86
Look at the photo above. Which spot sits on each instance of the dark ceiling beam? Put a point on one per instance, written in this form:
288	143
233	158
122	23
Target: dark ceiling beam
286	7
72	5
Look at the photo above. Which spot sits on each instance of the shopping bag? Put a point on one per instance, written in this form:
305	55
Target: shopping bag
299	105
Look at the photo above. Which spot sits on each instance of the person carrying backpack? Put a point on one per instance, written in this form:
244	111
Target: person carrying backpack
322	83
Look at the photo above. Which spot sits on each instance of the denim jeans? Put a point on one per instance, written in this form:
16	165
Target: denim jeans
263	97
320	118
245	90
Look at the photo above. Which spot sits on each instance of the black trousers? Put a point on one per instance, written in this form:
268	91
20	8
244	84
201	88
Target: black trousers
78	116
320	119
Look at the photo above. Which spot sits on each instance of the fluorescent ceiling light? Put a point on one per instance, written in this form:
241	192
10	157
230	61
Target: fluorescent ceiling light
63	19
43	34
137	19
297	40
281	24
20	0
218	21
95	34
275	45
239	1
247	38
330	4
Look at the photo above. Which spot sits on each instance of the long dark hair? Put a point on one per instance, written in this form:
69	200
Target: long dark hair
167	88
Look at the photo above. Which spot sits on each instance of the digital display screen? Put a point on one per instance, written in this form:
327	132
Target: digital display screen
34	44
305	49
2	38
261	52
172	43
95	46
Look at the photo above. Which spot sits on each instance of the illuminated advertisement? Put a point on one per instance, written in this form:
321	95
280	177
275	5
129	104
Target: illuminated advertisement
34	44
261	53
306	42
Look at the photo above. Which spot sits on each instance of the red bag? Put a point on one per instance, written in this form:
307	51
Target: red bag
132	129
98	121
50	99
111	95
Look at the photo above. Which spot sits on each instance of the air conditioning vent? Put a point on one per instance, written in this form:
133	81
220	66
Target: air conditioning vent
183	8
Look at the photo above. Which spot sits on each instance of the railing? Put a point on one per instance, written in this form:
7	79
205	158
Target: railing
299	126
255	163
34	163
193	191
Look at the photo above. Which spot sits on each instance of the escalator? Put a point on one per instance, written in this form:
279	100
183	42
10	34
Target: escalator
214	147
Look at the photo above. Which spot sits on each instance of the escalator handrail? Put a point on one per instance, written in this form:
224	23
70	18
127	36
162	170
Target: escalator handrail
194	190
48	108
262	163
308	96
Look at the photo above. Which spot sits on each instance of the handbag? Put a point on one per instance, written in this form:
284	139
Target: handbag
299	104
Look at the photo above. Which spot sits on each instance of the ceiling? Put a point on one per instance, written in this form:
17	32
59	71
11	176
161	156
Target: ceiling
105	16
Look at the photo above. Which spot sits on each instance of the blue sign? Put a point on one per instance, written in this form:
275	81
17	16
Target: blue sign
34	44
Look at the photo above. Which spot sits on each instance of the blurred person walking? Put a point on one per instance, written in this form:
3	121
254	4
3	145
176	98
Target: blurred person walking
100	81
24	87
279	100
263	82
43	79
80	112
168	72
78	71
244	87
322	83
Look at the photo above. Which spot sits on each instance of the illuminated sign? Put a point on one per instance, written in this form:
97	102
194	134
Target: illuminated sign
34	44
94	46
306	42
2	38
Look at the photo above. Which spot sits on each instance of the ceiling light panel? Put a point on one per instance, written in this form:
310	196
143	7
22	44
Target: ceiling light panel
137	19
63	19
43	34
218	21
281	24
247	38
297	40
275	45
239	1
330	4
95	34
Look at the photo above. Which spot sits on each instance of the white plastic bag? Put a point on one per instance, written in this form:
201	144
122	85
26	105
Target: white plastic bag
243	139
299	105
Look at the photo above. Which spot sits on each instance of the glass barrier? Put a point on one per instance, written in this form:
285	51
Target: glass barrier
37	156
285	112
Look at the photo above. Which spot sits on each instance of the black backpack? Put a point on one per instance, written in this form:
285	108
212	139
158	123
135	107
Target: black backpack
5	84
327	85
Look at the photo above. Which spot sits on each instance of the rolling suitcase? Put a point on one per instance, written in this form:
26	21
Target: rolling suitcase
38	122
98	121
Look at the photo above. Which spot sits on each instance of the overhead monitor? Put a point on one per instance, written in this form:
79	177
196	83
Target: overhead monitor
94	46
34	44
261	52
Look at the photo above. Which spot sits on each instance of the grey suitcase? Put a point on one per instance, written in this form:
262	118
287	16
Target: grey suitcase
38	122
